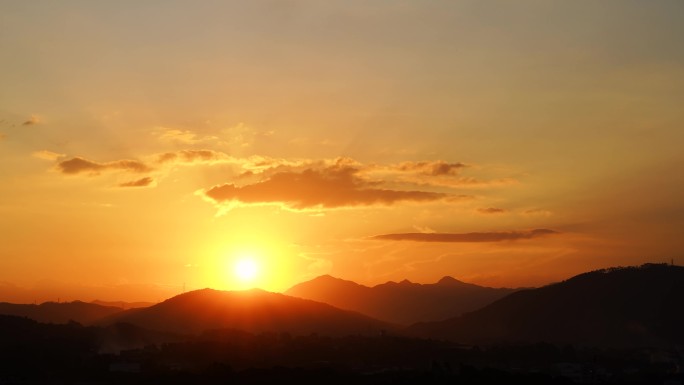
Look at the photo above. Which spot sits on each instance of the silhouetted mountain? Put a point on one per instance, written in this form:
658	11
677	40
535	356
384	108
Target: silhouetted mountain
629	307
253	311
62	312
404	302
122	304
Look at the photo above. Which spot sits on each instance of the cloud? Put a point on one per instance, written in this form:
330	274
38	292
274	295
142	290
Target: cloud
466	237
303	141
252	165
538	212
32	120
235	137
491	210
2	136
436	173
178	136
79	165
330	187
433	168
193	156
424	229
146	181
46	155
316	266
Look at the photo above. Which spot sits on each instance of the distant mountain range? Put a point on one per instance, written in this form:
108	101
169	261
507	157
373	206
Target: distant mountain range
404	302
60	312
122	304
252	311
616	307
630	307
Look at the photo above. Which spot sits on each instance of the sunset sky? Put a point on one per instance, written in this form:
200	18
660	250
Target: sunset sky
145	145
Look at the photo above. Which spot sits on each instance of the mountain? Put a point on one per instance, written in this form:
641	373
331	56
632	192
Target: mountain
254	311
404	302
62	312
617	307
122	304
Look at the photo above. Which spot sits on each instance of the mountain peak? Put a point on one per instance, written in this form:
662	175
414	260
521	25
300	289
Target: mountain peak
402	302
404	282
327	277
448	280
60	312
252	310
323	282
214	293
599	308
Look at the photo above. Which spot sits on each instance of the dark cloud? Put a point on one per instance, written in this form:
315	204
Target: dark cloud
31	121
436	173
191	156
79	165
330	187
434	168
491	210
146	181
467	237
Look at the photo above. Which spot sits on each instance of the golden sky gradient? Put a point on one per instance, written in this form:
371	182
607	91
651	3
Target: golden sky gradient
147	145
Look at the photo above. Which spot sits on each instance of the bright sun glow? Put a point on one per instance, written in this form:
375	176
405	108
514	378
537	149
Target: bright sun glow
242	264
246	269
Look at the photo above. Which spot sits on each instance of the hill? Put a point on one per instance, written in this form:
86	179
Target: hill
253	311
62	312
619	307
404	302
122	304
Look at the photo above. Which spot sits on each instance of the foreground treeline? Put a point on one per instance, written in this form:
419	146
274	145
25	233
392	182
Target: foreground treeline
31	352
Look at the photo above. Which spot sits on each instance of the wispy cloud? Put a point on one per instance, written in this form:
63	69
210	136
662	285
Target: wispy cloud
437	173
177	136
310	142
46	155
537	212
491	210
316	265
143	182
249	166
424	229
32	120
466	237
235	137
79	165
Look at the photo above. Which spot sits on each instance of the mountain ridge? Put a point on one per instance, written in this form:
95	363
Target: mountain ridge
402	302
625	306
123	304
253	311
60	312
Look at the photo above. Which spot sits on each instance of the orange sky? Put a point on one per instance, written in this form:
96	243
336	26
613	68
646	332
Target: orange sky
148	145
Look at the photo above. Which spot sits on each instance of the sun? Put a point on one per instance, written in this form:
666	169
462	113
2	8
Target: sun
246	269
244	266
